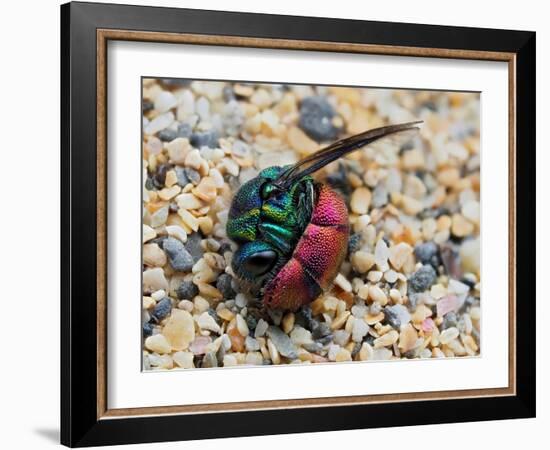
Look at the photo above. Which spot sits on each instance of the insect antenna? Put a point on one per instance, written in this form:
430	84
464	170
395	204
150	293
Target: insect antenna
318	160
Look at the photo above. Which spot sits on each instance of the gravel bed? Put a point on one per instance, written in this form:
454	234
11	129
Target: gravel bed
410	284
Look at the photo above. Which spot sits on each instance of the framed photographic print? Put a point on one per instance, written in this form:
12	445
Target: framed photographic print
289	224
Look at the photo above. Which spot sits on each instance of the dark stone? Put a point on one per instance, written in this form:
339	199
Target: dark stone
184	130
313	347
369	339
204	139
321	330
223	284
147	106
356	349
193	246
187	290
392	318
251	322
167	135
354	243
422	279
316	115
160	176
427	253
180	259
181	176
149	185
161	310
147	329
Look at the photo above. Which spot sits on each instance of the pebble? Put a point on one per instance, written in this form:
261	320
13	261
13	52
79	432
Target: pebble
242	326
360	330
426	253
282	342
153	255
148	233
377	295
360	200
167	135
398	254
387	339
447	304
261	328
200	139
184	359
160	122
179	329
300	336
187	290
461	227
422	279
363	261
180	259
209	360
199	345
288	322
165	101
206	322
470	255
397	315
162	309
381	255
158	343
206	189
223	284
154	279
448	335
407	338
316	115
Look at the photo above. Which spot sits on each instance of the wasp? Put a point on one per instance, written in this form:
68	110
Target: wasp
292	232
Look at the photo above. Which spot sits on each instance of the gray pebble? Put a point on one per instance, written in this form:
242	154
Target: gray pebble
422	279
397	315
450	320
181	176
320	331
379	196
192	175
187	290
180	259
162	309
147	329
193	246
354	243
251	344
223	284
167	135
204	139
313	347
184	130
210	360
282	342
316	115
427	252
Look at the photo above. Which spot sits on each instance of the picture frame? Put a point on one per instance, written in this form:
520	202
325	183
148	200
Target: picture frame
86	30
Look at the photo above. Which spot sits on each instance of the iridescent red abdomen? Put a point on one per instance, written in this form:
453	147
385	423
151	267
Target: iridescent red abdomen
317	257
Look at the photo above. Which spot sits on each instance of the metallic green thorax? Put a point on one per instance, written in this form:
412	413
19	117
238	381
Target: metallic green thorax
278	220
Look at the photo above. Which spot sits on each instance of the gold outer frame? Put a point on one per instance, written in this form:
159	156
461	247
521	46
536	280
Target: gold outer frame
105	35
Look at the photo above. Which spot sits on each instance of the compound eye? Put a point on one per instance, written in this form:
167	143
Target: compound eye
260	263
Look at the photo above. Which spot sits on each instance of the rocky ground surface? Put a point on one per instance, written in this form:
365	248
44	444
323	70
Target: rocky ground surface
410	284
